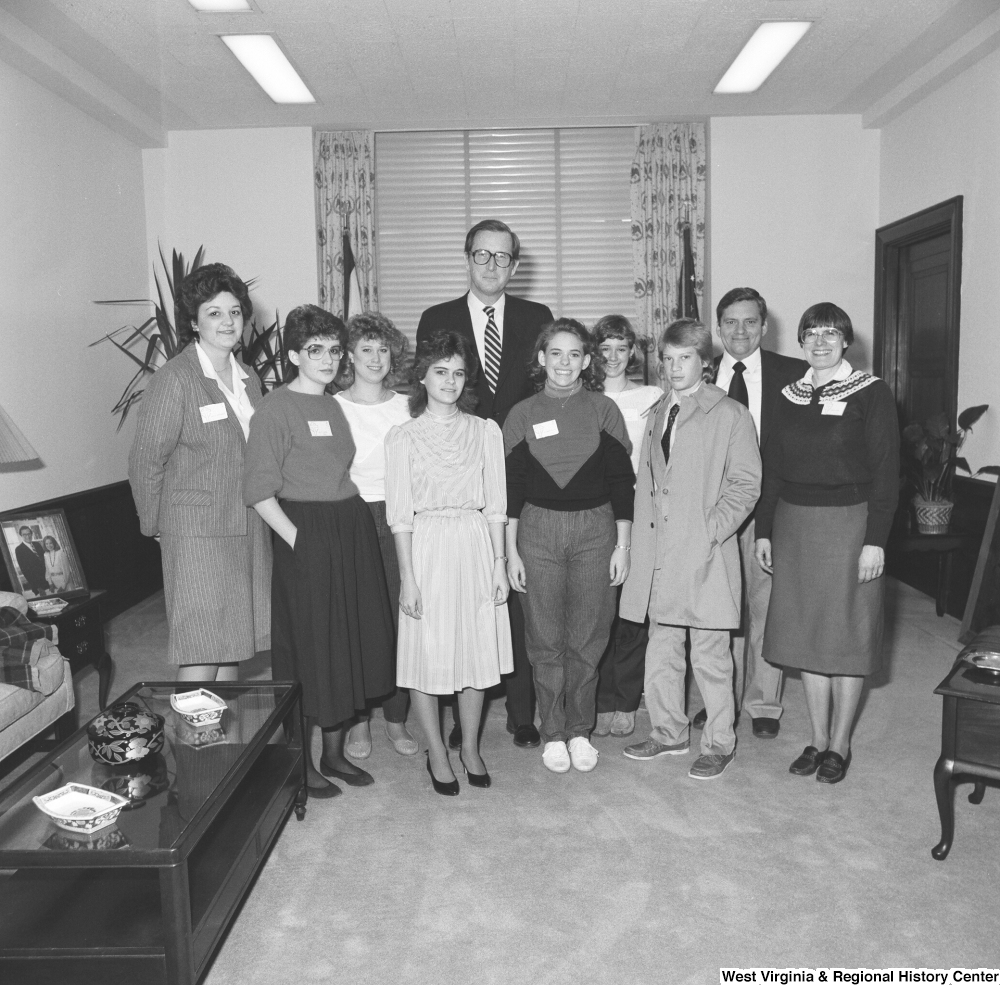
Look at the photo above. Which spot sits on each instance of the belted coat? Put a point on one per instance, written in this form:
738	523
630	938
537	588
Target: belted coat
687	513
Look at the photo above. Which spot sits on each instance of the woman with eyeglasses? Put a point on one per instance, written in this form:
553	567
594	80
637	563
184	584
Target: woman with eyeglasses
332	623
831	482
186	471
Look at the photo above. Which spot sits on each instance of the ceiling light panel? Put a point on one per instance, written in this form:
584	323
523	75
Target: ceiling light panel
221	6
266	62
761	55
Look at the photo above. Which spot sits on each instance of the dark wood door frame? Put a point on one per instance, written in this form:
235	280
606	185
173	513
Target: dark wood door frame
890	240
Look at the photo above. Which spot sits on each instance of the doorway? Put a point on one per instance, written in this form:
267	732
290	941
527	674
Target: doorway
918	282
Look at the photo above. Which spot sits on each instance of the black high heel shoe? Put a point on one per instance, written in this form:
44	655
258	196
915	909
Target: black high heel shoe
475	779
445	789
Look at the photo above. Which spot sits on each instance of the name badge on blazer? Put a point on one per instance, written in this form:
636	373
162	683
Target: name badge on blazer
835	408
320	429
212	412
546	429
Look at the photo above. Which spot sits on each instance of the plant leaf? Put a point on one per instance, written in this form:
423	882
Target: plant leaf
969	416
989	470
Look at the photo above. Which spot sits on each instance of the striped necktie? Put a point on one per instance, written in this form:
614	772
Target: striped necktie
491	364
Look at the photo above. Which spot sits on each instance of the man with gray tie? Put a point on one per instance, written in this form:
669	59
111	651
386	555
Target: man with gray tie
503	329
755	378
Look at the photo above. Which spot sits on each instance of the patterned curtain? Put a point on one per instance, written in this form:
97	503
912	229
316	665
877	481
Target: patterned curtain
668	193
345	202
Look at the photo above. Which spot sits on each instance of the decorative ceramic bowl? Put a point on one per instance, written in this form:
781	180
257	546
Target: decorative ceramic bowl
136	781
199	709
124	733
77	807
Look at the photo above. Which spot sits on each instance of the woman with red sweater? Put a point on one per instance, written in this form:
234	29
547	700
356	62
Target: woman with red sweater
831	482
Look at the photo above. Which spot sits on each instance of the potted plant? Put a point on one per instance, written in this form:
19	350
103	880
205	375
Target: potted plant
931	456
262	350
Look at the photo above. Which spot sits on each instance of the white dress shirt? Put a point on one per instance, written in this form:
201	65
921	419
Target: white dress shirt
752	376
237	397
477	310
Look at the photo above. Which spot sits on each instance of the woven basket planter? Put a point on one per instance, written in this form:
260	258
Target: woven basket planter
932	517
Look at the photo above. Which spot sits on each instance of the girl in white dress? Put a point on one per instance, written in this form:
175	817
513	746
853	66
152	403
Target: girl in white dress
446	503
619	688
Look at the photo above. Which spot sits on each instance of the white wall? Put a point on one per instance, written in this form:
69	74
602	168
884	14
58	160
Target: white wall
793	209
72	231
247	197
948	145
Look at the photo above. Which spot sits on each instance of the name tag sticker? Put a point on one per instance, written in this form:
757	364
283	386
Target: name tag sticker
835	408
546	429
320	429
631	414
212	412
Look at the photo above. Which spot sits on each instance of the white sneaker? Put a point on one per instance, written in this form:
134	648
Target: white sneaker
582	753
556	757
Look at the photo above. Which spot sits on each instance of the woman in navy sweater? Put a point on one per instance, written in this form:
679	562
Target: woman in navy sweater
831	482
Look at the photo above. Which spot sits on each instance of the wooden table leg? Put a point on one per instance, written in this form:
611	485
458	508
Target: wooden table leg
944	788
978	792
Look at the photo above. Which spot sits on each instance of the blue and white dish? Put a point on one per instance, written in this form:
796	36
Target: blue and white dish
77	807
199	709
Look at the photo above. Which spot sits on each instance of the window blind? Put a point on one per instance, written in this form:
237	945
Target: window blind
564	192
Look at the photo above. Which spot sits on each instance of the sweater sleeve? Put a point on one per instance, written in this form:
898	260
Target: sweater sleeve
882	446
267	446
772	481
613	422
619	475
517	466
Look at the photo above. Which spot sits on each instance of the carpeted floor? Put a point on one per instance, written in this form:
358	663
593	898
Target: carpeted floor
633	873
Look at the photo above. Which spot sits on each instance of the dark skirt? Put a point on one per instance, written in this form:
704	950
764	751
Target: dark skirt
819	618
332	626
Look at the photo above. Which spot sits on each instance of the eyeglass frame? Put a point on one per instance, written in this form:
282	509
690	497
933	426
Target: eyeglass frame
816	334
334	352
495	257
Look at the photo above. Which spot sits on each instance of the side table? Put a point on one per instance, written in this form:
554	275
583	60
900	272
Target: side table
970	737
81	639
945	546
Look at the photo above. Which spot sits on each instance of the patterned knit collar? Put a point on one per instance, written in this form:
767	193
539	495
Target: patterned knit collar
847	381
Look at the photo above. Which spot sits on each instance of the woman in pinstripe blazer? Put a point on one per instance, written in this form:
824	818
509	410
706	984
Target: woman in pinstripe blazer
186	473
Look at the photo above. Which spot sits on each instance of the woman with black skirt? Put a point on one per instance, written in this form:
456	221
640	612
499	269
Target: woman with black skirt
332	623
831	482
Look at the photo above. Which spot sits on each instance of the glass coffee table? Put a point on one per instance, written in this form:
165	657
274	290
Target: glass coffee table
148	898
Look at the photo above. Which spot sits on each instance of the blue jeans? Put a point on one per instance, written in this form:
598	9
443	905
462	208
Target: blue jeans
568	609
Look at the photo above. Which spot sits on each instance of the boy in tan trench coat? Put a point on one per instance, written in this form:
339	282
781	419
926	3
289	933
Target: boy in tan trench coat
698	479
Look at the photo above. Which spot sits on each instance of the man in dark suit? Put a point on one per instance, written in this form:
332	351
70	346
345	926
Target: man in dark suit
755	378
31	561
503	329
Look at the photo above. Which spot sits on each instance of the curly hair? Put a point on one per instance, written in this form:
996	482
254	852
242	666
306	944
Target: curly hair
437	348
375	327
199	287
619	327
309	321
592	377
689	333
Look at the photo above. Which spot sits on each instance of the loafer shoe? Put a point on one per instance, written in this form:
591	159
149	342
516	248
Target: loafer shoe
359	741
323	793
699	720
455	737
603	726
405	745
556	757
623	724
808	762
527	737
359	779
582	754
833	768
710	766
765	728
651	749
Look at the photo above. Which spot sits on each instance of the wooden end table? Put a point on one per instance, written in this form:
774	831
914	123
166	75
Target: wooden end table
81	639
151	900
945	546
970	742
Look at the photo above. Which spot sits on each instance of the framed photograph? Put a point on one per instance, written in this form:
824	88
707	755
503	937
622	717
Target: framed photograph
40	555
